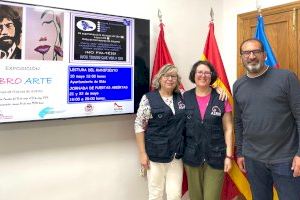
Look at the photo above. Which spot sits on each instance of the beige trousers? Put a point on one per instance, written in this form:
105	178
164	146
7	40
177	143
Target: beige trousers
165	175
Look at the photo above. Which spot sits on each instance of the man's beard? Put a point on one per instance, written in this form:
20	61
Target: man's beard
6	42
253	68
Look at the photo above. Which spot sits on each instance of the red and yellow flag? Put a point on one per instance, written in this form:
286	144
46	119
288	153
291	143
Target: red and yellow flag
235	181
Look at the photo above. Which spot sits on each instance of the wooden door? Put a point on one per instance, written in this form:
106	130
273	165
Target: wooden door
282	30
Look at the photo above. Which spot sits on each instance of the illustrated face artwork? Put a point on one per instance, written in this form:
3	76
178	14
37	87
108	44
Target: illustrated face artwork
7	33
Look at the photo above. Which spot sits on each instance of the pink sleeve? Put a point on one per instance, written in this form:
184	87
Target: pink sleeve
228	107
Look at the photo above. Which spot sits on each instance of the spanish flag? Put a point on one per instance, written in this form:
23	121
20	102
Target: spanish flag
235	182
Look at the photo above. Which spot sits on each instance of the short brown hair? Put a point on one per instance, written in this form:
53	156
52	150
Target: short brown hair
214	75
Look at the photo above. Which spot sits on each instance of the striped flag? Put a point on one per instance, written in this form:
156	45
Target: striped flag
261	35
235	181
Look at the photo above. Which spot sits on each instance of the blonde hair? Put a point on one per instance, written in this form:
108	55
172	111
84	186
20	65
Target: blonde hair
165	69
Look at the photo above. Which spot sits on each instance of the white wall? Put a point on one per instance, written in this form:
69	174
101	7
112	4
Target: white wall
77	159
96	158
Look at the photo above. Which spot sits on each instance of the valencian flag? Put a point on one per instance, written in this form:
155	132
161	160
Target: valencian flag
260	34
235	182
162	57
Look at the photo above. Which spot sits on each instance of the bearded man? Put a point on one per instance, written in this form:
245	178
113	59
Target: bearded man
10	33
267	125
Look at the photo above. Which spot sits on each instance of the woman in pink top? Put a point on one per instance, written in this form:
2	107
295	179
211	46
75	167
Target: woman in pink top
208	141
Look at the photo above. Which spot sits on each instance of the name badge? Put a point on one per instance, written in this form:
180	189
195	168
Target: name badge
181	105
216	111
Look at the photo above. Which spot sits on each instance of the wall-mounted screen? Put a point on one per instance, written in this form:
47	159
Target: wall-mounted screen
58	63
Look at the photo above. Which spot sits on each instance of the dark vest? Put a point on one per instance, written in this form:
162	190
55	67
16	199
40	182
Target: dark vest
164	134
204	140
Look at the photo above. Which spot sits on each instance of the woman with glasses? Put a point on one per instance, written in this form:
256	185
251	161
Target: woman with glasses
159	129
208	150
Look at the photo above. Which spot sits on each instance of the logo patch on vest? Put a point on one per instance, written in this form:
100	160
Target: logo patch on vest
181	105
216	111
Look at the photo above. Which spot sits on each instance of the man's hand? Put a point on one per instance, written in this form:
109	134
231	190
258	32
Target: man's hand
296	166
241	163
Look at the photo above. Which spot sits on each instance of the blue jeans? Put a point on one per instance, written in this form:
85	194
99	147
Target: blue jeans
262	177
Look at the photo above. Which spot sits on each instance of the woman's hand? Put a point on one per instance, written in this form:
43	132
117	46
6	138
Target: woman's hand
144	160
223	95
227	164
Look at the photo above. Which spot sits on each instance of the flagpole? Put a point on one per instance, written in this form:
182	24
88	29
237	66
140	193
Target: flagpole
258	7
159	14
211	14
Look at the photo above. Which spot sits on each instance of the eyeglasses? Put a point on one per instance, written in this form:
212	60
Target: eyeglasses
255	52
167	76
203	73
7	26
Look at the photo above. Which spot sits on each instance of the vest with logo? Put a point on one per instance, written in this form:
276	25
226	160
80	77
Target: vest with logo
164	134
204	139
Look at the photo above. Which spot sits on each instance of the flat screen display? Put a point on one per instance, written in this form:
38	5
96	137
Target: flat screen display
58	63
